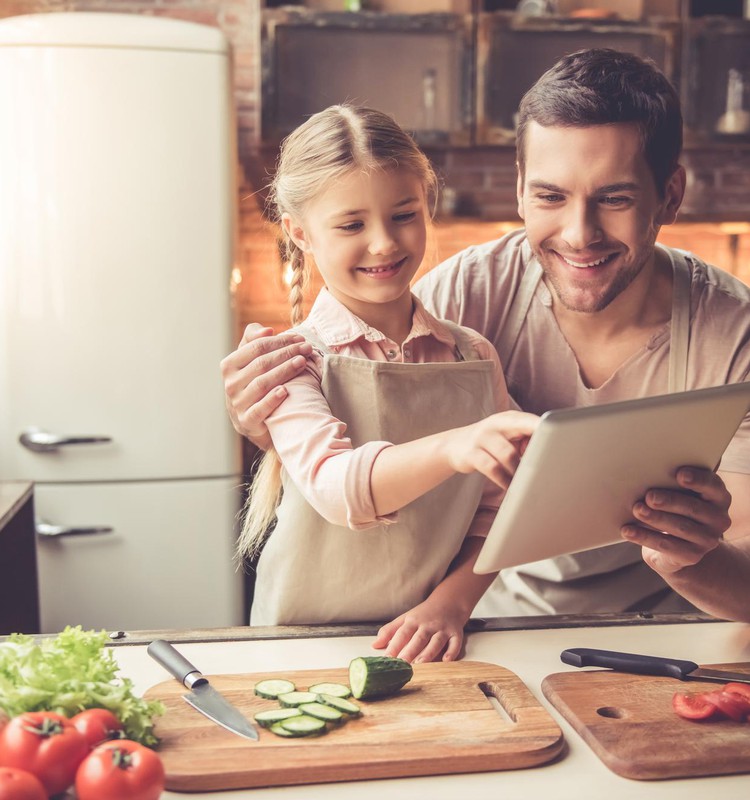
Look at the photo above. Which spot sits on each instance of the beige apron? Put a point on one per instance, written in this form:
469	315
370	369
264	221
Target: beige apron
312	571
615	577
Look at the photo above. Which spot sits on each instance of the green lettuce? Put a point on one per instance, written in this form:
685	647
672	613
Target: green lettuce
69	673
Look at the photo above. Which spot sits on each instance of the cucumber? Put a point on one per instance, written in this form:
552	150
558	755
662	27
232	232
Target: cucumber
341	703
378	676
267	718
271	689
334	689
302	725
321	711
292	699
280	730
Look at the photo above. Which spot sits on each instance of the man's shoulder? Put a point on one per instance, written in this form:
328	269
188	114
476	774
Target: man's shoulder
508	249
712	285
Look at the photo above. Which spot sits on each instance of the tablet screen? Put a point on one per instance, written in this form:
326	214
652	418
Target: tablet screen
584	469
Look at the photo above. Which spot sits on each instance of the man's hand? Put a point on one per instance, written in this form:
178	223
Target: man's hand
678	528
254	377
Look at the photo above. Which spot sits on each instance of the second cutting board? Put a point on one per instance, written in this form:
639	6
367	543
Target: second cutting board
441	722
628	721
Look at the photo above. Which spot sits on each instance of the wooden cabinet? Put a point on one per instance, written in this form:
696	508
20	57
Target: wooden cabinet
19	590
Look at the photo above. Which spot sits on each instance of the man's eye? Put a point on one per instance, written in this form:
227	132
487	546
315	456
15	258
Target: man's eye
408	216
550	198
615	200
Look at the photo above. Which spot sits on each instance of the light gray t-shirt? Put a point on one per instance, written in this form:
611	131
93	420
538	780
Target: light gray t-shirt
476	288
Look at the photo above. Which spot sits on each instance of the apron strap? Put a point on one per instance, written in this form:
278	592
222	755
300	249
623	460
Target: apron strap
464	349
505	343
680	327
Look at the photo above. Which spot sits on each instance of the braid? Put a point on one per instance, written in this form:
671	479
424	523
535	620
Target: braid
297	285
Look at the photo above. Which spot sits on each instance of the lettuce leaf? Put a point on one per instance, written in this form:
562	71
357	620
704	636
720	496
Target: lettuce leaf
67	674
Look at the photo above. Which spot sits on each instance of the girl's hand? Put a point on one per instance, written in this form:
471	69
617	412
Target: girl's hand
432	631
492	446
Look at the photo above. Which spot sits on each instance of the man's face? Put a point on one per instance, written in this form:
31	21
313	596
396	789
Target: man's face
591	210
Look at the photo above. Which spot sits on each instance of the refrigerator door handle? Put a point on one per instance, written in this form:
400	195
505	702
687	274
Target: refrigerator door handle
45	442
46	530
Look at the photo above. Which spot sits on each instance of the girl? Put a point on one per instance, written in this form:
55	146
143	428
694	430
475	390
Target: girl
386	436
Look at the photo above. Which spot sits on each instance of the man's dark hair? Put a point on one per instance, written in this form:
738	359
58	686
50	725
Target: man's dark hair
603	86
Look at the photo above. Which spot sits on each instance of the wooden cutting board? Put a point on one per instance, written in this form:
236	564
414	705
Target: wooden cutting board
628	721
441	722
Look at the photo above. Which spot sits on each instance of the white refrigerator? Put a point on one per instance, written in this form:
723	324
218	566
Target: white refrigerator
117	224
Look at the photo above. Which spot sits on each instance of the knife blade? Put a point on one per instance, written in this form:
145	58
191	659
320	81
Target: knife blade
202	697
648	665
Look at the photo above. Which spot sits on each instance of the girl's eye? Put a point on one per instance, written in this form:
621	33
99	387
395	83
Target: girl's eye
350	227
405	217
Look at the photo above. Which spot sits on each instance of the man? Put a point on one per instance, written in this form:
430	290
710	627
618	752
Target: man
584	308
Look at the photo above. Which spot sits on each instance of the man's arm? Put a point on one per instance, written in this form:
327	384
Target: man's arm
705	554
254	376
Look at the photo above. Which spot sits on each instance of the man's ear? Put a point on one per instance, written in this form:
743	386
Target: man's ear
519	192
673	195
295	232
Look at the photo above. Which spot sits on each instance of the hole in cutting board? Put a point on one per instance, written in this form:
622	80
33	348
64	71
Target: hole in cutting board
610	712
489	691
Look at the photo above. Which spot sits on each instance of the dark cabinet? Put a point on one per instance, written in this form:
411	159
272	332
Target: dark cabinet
416	67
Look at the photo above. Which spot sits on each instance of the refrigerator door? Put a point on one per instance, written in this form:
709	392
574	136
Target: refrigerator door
167	562
116	244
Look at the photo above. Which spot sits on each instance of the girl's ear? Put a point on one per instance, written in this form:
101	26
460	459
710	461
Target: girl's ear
295	232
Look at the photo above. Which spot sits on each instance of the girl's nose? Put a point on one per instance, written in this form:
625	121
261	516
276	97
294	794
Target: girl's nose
383	242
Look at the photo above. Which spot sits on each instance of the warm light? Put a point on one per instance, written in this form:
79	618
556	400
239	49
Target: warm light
734	228
235	280
287	273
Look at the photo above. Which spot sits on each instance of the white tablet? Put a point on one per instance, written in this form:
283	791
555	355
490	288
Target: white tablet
584	469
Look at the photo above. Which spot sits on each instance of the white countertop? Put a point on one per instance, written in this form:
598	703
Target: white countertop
531	654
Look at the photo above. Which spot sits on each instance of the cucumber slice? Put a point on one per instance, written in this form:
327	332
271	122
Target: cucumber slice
334	689
303	725
321	711
378	676
292	699
280	730
341	703
271	689
267	718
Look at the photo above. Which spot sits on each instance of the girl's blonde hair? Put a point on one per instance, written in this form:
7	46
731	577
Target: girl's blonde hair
329	145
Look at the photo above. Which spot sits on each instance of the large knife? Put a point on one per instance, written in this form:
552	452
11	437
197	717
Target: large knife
648	665
202	697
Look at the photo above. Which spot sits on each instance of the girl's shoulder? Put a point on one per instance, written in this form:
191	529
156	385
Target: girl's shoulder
469	339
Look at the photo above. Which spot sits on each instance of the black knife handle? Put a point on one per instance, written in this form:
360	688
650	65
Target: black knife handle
175	663
628	662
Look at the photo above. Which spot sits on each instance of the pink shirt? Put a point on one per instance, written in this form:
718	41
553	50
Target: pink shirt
313	446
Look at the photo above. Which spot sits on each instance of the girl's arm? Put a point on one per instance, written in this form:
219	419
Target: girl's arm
379	478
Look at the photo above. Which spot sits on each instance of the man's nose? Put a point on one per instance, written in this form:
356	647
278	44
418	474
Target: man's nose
581	226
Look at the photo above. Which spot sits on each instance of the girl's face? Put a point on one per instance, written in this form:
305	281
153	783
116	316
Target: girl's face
367	234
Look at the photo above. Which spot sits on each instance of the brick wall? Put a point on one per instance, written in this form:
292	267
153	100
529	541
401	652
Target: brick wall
481	180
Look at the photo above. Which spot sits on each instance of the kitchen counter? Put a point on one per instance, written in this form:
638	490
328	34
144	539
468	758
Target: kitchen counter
531	653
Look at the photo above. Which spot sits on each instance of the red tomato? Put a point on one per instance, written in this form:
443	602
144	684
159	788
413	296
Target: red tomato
17	784
120	770
45	744
97	725
734	706
741	689
693	706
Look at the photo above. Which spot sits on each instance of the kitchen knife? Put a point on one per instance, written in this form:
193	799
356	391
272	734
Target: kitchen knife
648	665
203	697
